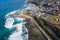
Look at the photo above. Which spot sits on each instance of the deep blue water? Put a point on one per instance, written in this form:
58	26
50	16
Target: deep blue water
7	6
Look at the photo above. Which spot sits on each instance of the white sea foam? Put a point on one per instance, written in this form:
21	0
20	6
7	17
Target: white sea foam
17	35
29	6
11	13
26	1
25	5
9	22
19	19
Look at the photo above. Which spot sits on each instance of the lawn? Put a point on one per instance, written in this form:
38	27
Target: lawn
49	17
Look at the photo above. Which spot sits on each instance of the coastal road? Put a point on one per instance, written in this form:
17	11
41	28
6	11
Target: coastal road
40	29
50	29
54	30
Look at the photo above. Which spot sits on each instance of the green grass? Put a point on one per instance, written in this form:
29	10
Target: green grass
58	30
53	17
50	17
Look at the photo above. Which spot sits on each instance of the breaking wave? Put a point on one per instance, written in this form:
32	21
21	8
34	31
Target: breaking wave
19	33
9	23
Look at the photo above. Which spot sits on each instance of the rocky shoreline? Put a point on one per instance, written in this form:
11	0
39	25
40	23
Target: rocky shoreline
33	10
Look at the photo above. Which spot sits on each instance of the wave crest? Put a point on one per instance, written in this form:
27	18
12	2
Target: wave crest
9	22
16	35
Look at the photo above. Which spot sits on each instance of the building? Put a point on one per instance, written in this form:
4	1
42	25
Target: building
58	13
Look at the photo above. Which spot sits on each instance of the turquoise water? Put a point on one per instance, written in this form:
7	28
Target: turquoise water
7	6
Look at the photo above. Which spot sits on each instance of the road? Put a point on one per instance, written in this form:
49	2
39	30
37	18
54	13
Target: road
40	29
51	29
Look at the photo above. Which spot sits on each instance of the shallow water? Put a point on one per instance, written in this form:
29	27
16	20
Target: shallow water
7	28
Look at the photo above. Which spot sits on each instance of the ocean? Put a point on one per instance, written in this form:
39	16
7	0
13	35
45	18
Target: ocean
12	28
